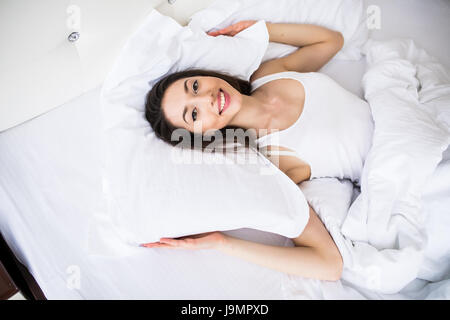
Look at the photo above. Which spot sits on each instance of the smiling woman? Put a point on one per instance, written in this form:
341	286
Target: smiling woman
200	102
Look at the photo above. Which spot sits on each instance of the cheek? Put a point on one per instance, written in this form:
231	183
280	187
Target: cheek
214	124
236	101
211	123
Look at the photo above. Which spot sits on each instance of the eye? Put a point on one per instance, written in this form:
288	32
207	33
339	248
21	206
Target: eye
194	114
195	86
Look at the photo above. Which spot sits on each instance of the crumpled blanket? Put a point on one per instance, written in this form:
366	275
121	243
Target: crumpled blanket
382	235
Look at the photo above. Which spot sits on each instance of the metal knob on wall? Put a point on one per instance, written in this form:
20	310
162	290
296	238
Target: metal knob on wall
74	36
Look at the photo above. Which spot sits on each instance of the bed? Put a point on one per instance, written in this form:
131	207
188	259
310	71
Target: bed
50	180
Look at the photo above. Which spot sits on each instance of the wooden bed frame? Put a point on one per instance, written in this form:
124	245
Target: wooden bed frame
19	273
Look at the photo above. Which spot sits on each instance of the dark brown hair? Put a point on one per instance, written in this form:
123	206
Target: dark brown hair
164	129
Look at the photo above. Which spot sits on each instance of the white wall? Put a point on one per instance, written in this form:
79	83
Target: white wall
40	69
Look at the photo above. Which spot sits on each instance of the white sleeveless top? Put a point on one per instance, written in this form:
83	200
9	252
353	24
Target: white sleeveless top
334	131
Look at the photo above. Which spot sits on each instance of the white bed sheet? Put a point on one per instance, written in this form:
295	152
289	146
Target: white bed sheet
50	180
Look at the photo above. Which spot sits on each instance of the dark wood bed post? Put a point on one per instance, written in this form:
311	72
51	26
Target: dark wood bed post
19	274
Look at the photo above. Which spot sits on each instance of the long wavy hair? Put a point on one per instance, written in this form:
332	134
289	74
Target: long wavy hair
165	130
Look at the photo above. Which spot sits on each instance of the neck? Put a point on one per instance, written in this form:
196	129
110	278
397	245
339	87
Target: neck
255	113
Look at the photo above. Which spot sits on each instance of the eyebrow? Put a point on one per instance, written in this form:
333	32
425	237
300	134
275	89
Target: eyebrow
184	113
185	108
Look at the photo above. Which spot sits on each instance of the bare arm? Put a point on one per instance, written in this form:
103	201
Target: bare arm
317	46
314	256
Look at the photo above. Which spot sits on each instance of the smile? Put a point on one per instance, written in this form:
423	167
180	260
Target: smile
224	101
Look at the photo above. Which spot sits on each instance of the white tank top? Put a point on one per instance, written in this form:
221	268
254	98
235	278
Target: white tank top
334	131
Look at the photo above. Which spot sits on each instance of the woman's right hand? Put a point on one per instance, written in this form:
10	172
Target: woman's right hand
208	240
233	29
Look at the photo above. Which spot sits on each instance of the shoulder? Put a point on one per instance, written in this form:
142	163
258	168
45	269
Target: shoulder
288	162
267	68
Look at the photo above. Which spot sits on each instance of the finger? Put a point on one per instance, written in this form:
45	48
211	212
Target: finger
217	31
156	245
213	33
150	244
185	243
172	242
164	242
226	30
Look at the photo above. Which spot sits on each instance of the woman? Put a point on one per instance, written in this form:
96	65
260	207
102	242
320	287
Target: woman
322	130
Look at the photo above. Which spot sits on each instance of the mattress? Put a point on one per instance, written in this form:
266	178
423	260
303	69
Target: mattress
50	182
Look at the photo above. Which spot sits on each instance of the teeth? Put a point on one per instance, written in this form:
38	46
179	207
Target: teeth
222	101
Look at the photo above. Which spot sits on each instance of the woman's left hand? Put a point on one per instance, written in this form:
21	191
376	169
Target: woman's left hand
209	240
233	29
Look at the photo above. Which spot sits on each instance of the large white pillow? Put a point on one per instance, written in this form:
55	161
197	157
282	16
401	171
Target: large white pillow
150	193
346	16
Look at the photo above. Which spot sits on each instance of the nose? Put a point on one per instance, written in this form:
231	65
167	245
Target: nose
206	100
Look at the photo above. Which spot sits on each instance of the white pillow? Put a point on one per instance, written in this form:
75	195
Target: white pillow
346	16
161	46
149	194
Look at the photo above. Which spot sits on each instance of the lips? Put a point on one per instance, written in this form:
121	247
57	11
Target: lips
218	101
227	101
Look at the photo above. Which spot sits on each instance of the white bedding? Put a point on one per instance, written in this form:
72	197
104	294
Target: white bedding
50	180
49	185
435	206
384	236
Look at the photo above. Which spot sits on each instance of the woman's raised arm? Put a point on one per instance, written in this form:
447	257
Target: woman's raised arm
317	45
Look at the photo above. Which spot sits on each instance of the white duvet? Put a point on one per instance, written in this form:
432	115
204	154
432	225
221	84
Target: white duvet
383	235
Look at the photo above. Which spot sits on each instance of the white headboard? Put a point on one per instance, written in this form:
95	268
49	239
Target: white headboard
40	69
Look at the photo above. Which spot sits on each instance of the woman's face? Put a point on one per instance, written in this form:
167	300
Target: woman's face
197	103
